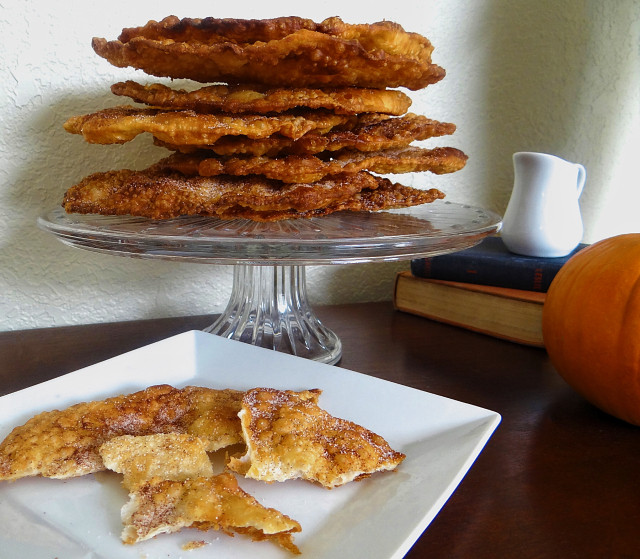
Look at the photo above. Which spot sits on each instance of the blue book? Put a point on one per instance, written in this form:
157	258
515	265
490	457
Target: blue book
491	263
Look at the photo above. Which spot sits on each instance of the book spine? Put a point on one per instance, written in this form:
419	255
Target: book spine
487	312
529	275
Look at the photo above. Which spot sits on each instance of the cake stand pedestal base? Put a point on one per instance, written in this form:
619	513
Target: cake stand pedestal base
268	308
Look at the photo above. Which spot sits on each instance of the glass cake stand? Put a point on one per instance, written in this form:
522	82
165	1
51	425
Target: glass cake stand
268	306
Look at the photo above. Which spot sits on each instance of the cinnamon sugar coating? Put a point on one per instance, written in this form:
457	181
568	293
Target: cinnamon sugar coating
312	168
119	125
289	436
207	503
261	100
65	443
284	51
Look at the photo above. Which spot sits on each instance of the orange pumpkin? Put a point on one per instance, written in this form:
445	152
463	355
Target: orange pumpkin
591	325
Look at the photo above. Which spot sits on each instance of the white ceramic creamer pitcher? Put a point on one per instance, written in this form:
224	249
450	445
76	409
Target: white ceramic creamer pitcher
543	215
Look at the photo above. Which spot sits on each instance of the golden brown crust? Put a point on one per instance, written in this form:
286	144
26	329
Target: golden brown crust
311	168
261	100
122	124
386	197
160	194
286	51
207	503
65	443
174	456
289	436
367	134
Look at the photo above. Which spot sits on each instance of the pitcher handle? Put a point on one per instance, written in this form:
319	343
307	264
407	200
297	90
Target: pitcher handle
582	177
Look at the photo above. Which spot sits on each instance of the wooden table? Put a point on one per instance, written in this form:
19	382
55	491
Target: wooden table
558	479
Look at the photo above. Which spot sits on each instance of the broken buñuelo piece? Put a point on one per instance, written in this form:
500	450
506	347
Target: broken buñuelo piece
289	436
171	486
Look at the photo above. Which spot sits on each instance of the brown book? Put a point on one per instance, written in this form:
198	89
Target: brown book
510	314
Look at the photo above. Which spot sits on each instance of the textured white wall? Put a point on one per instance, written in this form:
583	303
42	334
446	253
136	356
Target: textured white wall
545	76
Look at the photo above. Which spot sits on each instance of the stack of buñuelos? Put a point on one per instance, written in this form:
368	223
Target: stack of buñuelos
291	119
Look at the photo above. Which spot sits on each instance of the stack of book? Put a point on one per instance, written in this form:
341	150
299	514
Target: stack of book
485	288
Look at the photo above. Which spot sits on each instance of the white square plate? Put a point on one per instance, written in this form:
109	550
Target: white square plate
377	518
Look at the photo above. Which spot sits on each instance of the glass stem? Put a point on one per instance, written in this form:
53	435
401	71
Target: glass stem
268	308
